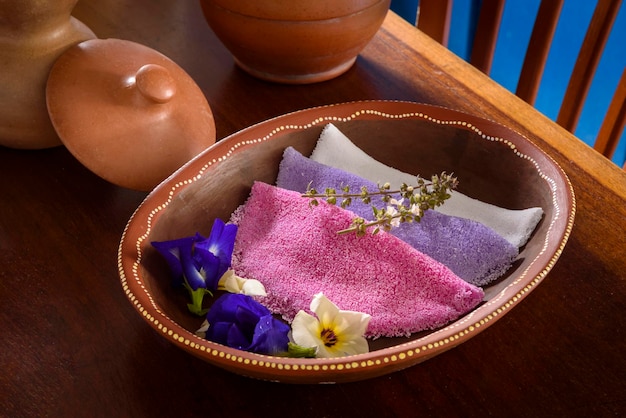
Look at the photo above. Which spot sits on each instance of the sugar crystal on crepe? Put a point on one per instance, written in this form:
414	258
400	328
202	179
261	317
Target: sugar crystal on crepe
295	251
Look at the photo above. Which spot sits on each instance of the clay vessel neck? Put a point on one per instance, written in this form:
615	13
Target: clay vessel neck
30	17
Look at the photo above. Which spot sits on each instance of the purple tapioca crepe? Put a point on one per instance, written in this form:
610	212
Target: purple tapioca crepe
471	250
294	250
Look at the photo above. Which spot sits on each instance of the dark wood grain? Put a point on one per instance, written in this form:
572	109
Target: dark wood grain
72	345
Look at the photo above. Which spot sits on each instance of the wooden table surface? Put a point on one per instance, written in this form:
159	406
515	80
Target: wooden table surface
72	344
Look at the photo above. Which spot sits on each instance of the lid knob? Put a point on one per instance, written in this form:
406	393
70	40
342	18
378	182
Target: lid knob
155	83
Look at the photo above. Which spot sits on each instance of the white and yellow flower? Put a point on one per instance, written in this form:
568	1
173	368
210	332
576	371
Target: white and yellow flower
333	332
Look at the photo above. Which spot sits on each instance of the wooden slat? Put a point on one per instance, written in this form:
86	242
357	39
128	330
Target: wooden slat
538	49
587	62
486	35
613	124
433	18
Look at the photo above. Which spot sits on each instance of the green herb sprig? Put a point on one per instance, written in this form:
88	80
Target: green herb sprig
422	196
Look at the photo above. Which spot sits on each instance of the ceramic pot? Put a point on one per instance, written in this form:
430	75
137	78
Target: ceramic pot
295	41
33	34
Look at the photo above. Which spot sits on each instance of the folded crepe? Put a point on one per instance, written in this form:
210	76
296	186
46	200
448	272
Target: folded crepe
471	250
293	248
336	150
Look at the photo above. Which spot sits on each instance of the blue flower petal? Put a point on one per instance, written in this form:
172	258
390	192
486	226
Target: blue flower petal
218	332
251	305
223	309
239	321
172	252
270	336
220	242
238	338
201	270
247	317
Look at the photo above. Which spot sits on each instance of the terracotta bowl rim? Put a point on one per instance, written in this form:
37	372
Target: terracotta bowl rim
374	363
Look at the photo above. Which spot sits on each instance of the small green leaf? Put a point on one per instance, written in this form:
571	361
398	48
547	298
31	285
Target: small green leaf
297	351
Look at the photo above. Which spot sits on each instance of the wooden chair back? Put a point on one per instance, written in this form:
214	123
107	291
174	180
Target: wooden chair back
434	19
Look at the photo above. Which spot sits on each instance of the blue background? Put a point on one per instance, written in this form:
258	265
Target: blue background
515	29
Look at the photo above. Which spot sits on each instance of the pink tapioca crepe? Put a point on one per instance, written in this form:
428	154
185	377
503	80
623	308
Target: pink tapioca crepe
295	251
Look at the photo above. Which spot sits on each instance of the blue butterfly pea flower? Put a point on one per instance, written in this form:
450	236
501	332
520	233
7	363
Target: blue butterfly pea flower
240	322
198	263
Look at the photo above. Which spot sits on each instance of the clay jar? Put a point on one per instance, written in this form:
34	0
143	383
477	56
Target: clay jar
295	41
33	34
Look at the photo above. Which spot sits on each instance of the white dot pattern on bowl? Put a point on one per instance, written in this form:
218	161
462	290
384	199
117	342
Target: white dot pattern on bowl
402	352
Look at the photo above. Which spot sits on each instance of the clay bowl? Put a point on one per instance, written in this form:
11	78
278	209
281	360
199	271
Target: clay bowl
295	41
493	163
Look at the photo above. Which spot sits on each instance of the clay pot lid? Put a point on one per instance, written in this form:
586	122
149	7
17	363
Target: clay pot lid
127	112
